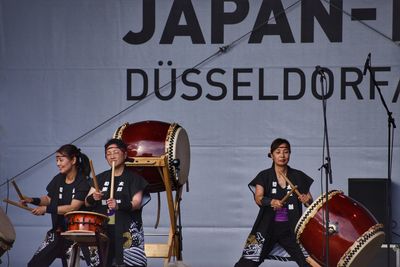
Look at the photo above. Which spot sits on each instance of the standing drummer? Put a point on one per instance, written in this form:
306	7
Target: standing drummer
276	219
125	227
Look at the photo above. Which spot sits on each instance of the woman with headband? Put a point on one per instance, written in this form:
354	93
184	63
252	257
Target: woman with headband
280	208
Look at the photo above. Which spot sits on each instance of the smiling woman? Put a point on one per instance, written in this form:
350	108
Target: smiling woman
65	193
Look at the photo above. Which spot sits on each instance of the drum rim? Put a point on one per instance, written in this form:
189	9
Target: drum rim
86	212
312	211
171	140
368	236
118	133
6	245
79	231
10	235
6	239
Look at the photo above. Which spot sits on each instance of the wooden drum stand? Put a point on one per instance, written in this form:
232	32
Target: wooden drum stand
173	246
86	239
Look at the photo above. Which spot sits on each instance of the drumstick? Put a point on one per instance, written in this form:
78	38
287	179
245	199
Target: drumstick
283	200
17	204
293	186
96	185
112	180
21	197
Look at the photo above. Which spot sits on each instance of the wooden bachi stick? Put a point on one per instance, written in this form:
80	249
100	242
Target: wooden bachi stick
17	204
283	200
21	197
95	183
293	186
112	180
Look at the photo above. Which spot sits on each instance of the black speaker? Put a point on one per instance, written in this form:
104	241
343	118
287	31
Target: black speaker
372	193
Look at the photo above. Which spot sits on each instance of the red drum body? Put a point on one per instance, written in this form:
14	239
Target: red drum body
85	221
356	235
7	233
155	139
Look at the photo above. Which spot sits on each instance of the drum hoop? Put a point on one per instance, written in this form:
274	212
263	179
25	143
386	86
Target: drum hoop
170	140
87	212
7	231
358	245
5	245
118	133
311	211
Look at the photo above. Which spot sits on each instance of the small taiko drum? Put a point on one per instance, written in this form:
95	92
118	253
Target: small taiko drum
7	233
85	221
155	139
355	235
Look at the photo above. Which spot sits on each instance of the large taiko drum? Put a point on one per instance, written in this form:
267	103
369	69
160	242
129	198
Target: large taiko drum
7	233
85	221
355	234
155	139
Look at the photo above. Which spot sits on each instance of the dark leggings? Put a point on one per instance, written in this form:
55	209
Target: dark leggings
52	247
279	233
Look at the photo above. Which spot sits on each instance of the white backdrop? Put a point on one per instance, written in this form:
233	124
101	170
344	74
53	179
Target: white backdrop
65	69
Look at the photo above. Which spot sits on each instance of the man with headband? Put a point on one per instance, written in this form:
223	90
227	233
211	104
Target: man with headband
124	208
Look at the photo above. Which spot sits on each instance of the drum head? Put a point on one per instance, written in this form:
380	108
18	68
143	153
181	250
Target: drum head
364	249
179	148
7	232
311	212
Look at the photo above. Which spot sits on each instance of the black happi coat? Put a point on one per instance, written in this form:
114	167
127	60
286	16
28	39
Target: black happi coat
63	194
60	193
268	180
125	187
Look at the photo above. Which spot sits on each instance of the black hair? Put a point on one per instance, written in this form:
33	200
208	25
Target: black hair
118	142
276	143
82	161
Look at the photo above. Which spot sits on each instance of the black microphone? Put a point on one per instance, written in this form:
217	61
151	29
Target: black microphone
366	65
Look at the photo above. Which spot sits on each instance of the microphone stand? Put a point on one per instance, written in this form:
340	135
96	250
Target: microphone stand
391	124
327	166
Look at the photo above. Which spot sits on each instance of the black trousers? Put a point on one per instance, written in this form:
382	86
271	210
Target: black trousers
280	233
53	246
111	249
